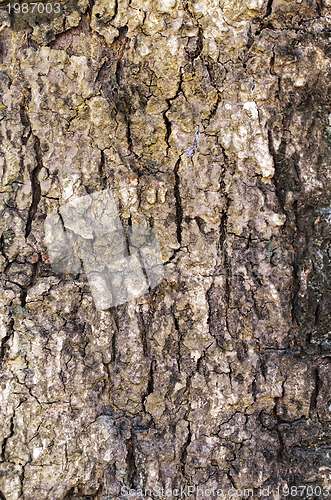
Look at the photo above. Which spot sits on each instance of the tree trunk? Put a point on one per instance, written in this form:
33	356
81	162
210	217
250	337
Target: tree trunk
209	123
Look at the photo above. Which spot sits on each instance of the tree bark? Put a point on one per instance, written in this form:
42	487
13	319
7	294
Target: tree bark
209	122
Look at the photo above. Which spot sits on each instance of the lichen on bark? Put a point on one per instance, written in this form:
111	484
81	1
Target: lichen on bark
209	122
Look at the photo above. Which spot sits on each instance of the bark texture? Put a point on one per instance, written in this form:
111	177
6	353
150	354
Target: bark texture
209	121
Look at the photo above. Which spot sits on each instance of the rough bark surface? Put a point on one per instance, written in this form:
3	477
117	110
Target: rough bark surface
209	121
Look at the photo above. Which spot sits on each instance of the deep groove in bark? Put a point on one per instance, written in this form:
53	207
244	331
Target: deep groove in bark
184	450
143	330
9	334
179	340
269	8
130	462
315	392
103	177
179	209
35	186
167	124
5	439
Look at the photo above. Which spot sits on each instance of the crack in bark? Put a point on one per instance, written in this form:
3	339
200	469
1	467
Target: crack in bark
178	204
5	439
179	341
183	455
166	120
143	330
278	158
199	45
222	239
214	109
102	174
315	392
250	42
22	477
35	186
279	421
115	10
150	385
269	8
130	462
11	432
120	41
128	134
114	338
167	124
9	334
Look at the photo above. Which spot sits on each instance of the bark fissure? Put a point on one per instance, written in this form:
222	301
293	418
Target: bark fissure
35	187
269	8
9	334
178	202
130	461
184	450
315	392
5	440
